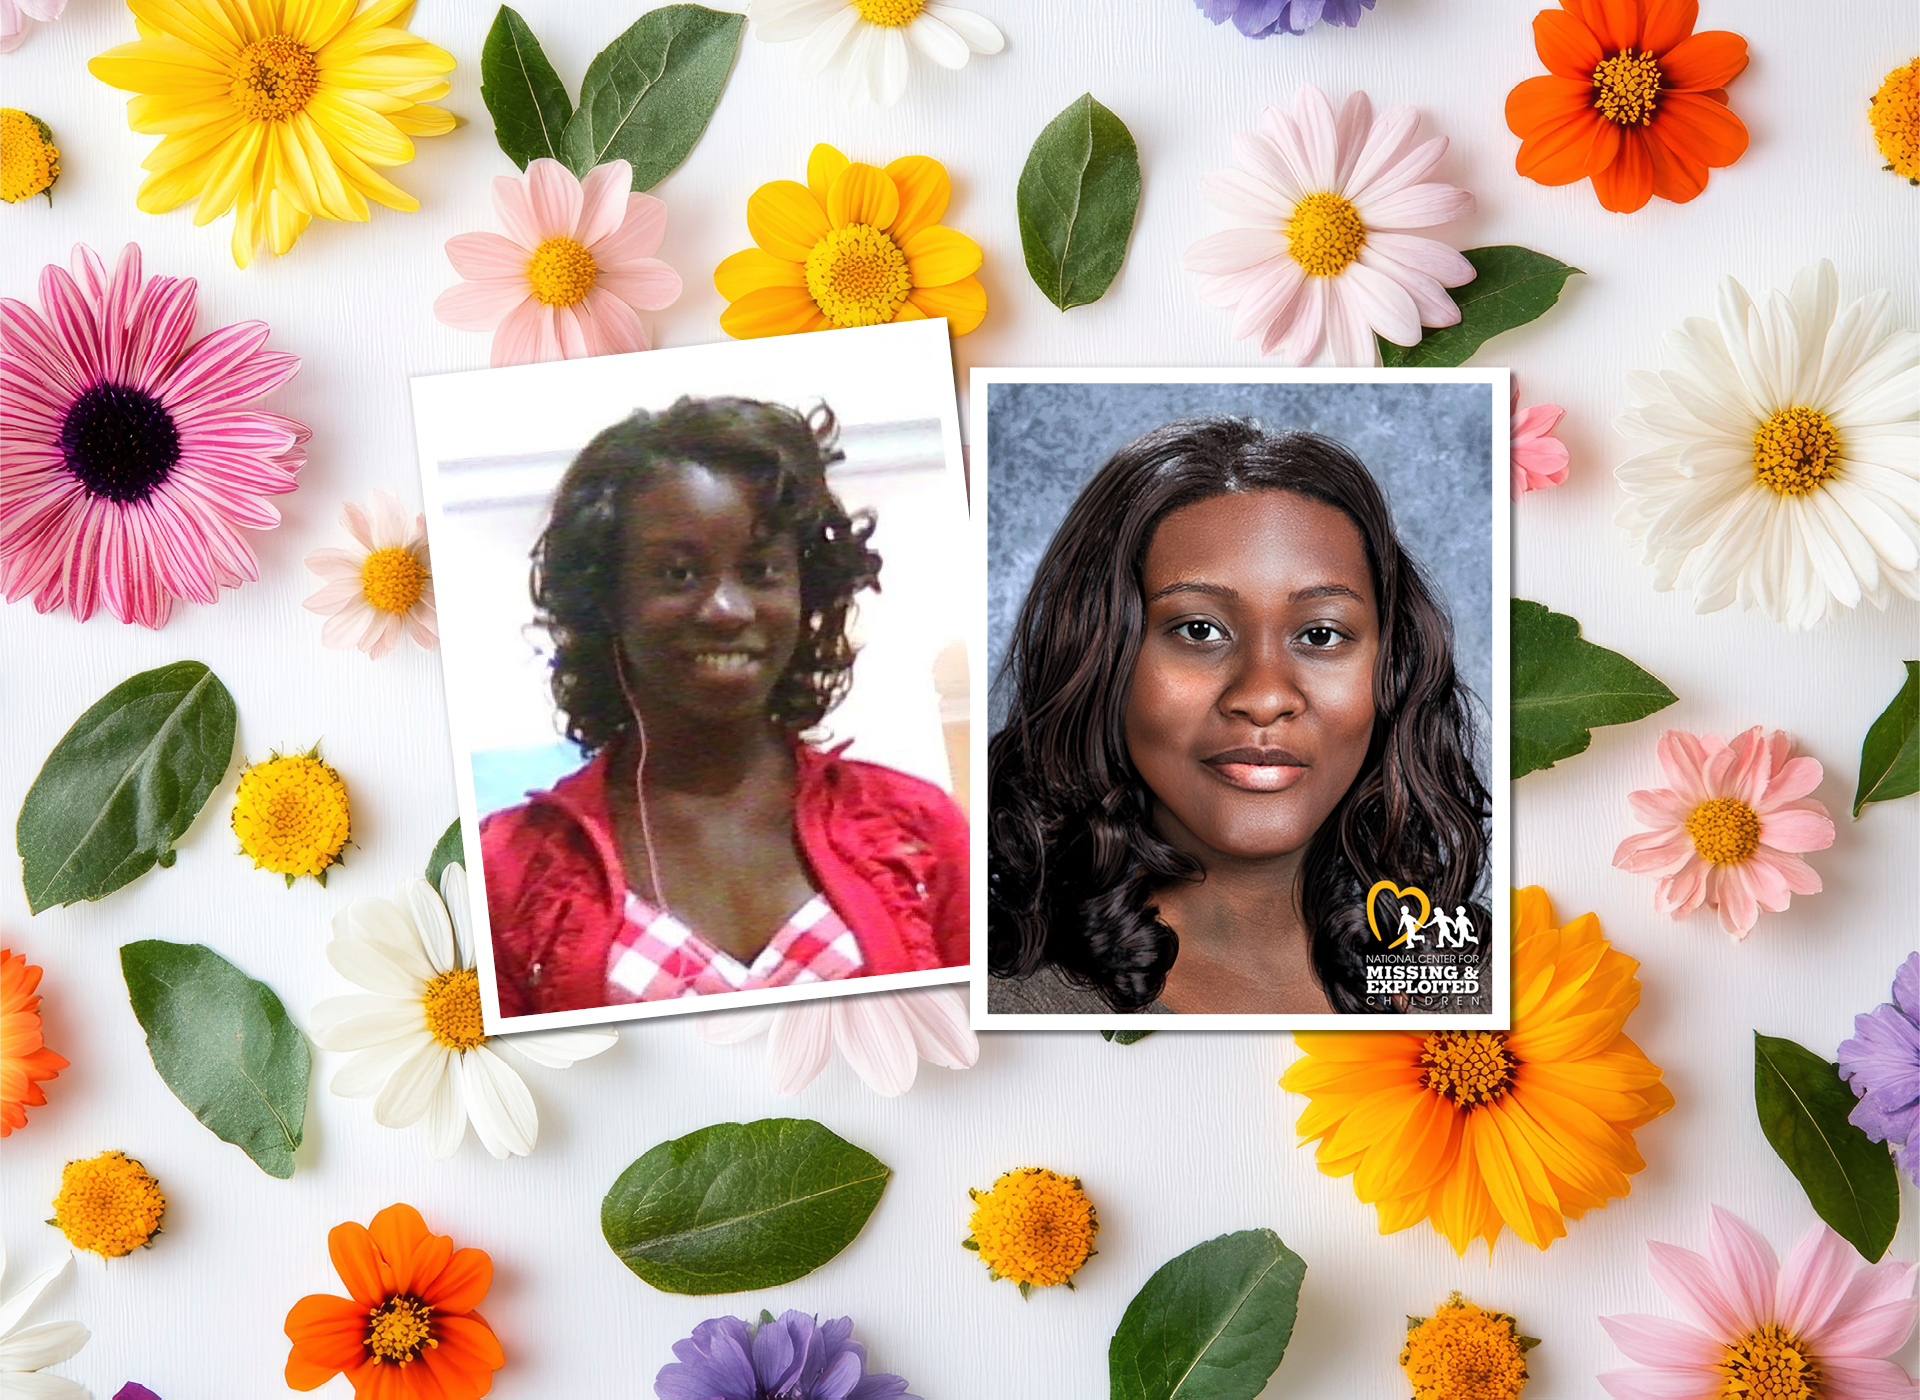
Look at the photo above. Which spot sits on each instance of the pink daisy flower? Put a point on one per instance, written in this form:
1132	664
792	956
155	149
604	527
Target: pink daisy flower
1819	1328
1328	263
381	587
884	1036
573	272
128	456
1539	458
1729	832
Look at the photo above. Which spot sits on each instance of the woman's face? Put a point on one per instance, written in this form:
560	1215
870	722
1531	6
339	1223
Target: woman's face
1251	706
709	598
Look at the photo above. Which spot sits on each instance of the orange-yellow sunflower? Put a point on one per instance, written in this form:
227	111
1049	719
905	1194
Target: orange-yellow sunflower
276	109
1475	1130
854	246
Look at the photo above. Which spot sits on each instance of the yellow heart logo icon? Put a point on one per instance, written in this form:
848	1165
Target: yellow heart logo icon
1410	892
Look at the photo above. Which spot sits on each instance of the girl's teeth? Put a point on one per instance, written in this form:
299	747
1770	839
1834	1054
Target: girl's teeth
725	661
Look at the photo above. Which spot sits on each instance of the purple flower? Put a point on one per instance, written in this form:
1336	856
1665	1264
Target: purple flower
133	1390
792	1357
1259	18
1882	1062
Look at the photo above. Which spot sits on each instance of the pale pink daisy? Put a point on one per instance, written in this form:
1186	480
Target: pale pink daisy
382	586
1818	1329
1539	458
128	454
19	16
1329	263
1730	831
572	273
883	1035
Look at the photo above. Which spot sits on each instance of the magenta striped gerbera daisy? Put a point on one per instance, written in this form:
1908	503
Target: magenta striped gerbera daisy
128	454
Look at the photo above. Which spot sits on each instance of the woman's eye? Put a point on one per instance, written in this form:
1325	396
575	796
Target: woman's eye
1199	631
1320	638
677	574
766	571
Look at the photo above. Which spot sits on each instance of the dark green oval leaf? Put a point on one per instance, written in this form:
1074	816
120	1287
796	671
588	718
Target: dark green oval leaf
649	95
124	784
1563	688
525	96
1077	197
1803	1105
448	850
1211	1324
741	1205
1512	286
225	1046
1890	754
1125	1037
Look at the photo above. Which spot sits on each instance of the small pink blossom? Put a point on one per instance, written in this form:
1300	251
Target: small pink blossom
1539	458
1729	832
573	271
883	1035
17	17
1751	1322
380	588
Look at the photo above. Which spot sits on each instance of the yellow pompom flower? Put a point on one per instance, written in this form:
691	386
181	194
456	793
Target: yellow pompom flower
1464	1352
1034	1226
29	163
1895	114
855	246
276	109
290	813
1476	1131
109	1205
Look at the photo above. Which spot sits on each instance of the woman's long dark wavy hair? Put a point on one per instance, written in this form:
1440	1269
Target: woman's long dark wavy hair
1073	856
783	455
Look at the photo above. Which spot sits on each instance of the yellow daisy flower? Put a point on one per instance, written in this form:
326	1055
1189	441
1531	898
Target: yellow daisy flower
290	813
1033	1226
109	1204
276	109
854	246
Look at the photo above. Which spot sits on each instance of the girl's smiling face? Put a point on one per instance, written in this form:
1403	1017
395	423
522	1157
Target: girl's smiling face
1251	706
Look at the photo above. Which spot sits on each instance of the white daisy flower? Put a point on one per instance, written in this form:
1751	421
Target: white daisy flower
883	1035
419	1050
1784	472
869	38
380	587
24	1350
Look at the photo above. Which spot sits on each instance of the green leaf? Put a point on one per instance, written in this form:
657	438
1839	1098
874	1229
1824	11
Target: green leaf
124	784
1511	287
1890	754
1211	1324
225	1046
525	96
649	95
741	1205
1564	687
1849	1178
1125	1037
448	850
1077	197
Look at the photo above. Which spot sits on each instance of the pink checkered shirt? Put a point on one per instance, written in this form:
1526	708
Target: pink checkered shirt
655	957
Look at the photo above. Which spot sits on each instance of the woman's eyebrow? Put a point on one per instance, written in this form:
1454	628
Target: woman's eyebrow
1324	590
1212	590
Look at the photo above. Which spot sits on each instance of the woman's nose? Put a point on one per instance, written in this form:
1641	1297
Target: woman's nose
728	602
1263	687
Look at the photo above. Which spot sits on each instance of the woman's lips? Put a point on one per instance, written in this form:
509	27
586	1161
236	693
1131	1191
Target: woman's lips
1258	770
727	665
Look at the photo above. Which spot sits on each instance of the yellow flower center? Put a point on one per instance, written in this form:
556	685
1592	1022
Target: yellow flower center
1895	114
1035	1227
29	164
1795	451
452	1006
400	1329
858	276
1725	830
274	78
1325	234
108	1204
1626	88
890	14
561	272
290	814
1464	1353
1469	1068
1769	1363
392	579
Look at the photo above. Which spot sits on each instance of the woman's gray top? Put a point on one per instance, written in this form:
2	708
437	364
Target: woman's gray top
1046	992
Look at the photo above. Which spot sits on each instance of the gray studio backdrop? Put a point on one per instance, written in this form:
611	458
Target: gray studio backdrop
1428	445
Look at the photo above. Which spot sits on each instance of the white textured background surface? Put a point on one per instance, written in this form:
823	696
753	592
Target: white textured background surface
1178	1138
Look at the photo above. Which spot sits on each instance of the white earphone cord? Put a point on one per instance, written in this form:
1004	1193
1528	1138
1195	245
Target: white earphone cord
639	781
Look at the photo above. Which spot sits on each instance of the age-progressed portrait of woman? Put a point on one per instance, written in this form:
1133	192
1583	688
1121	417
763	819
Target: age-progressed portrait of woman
1241	756
698	820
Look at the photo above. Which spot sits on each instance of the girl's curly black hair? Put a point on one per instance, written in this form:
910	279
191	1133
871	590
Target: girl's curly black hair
1073	857
783	455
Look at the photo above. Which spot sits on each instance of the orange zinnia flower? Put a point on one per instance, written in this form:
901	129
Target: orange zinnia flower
1475	1130
24	1057
1633	100
410	1331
